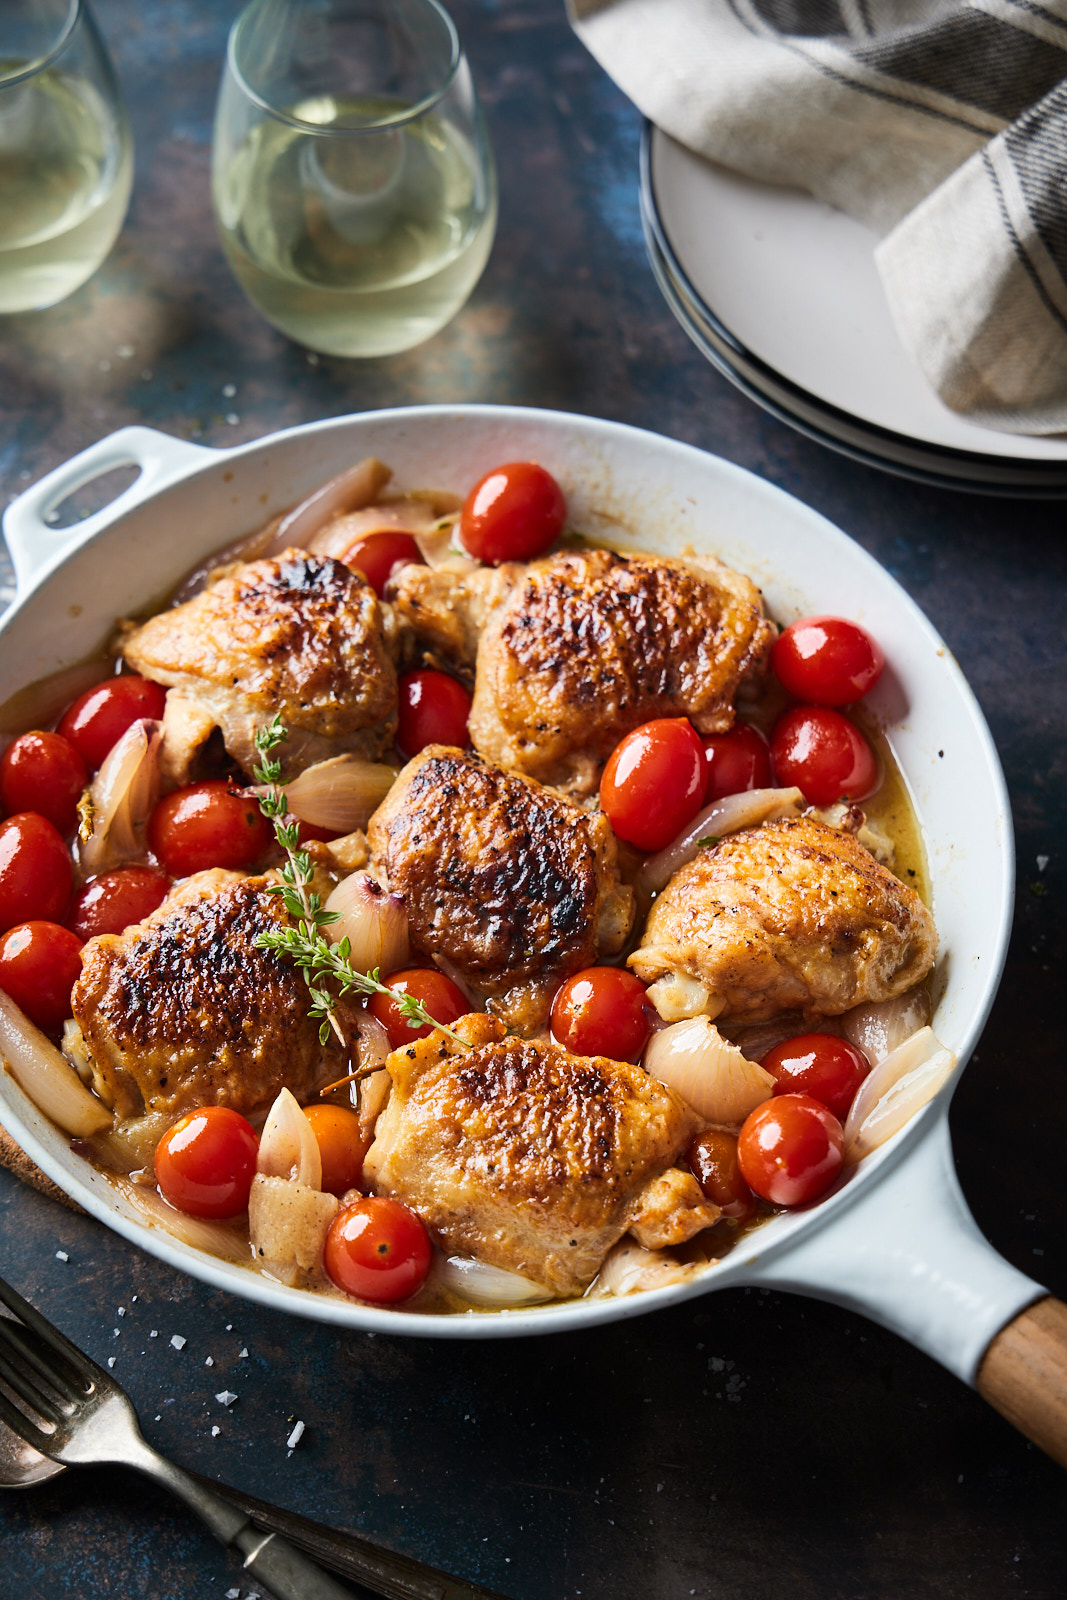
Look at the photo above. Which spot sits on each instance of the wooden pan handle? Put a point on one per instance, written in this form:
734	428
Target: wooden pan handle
1023	1375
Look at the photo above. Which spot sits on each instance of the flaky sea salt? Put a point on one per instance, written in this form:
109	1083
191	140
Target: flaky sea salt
178	1341
208	1362
296	1436
61	1255
225	1397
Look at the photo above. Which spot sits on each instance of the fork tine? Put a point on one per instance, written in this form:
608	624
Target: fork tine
85	1371
21	1425
20	1339
25	1390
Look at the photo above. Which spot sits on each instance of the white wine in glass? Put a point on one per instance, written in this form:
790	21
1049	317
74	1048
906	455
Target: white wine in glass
66	161
357	220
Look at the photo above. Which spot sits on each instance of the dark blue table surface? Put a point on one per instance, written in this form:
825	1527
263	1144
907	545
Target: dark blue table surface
749	1446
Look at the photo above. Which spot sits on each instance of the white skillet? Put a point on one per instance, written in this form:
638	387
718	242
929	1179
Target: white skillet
897	1242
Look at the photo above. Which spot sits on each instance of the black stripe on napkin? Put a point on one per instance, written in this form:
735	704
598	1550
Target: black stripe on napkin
1018	245
811	19
1036	144
971	57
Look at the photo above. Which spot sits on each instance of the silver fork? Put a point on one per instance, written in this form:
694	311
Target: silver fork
85	1417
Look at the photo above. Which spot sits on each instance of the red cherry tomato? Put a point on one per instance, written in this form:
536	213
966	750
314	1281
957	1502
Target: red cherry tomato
205	1163
433	709
35	871
654	782
42	772
378	1250
712	1158
601	1012
342	1146
116	900
377	556
824	755
442	999
736	761
512	514
207	825
790	1149
828	1069
40	963
827	660
99	717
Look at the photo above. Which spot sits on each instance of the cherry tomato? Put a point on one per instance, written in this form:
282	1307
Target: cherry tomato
205	1163
654	782
376	1249
512	514
712	1158
601	1012
377	556
828	1069
207	825
115	900
827	660
99	717
442	999
40	963
790	1149
342	1146
42	772
433	710
736	761
824	755
35	871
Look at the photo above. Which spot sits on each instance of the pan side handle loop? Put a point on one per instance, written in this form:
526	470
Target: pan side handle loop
908	1254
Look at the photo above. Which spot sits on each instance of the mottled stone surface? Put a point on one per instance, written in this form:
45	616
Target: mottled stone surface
748	1446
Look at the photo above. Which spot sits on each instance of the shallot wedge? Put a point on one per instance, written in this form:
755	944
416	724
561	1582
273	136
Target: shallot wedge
484	1285
226	1240
44	1074
631	1269
883	1025
122	796
340	794
417	515
373	921
287	1223
898	1087
357	486
694	1060
287	1147
729	815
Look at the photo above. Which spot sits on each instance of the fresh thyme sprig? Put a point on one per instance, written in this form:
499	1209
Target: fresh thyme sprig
305	945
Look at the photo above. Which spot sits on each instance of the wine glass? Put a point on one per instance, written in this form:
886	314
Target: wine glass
353	181
66	160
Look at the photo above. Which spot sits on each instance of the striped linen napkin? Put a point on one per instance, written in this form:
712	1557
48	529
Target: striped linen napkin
942	124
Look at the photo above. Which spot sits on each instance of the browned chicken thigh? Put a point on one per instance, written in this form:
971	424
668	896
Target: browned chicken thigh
793	915
297	635
576	650
532	1159
514	886
183	1010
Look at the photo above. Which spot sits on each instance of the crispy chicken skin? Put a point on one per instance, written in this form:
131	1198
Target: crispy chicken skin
793	915
183	1010
577	650
296	634
510	883
529	1158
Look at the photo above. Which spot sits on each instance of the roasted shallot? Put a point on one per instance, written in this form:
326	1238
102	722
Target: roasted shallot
373	921
694	1060
46	1076
121	799
729	815
340	794
898	1087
